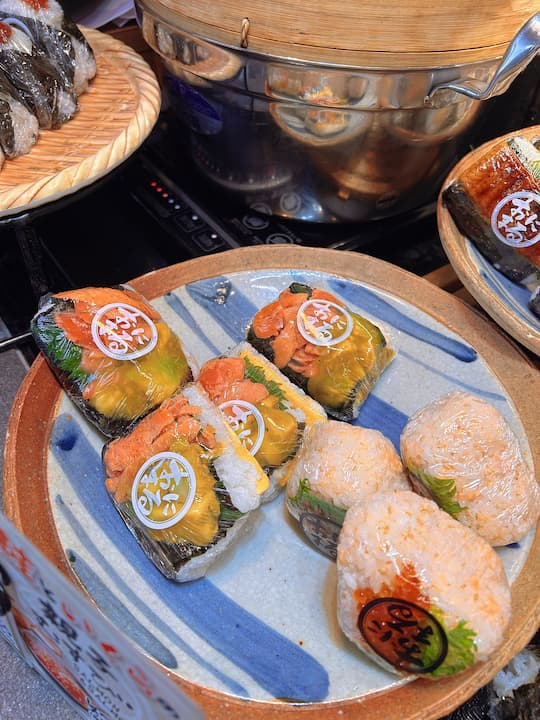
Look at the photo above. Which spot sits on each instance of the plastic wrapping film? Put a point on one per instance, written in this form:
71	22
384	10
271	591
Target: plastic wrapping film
338	465
495	202
418	592
267	412
334	355
460	451
183	483
112	353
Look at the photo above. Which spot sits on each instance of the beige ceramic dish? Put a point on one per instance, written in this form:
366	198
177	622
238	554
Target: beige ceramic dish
27	500
495	294
115	116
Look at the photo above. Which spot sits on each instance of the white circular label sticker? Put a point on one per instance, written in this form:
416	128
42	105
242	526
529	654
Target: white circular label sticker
163	490
123	332
516	219
238	413
322	322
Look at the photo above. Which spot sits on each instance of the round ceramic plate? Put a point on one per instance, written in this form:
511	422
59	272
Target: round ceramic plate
258	637
504	300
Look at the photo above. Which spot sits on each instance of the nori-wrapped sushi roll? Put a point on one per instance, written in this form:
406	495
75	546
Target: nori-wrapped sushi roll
19	127
460	451
35	80
338	465
418	592
183	483
335	356
112	353
268	413
57	36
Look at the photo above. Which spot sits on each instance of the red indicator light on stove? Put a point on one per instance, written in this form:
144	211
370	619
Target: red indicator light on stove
159	189
165	195
153	183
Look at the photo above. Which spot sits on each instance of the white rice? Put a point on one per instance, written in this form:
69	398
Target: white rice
463	438
84	66
240	473
25	126
458	571
51	15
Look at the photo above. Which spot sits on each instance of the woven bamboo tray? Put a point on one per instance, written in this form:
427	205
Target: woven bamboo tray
115	116
396	33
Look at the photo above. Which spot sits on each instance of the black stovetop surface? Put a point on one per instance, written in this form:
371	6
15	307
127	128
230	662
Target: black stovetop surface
155	210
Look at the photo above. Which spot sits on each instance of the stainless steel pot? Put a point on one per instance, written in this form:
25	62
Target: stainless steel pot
324	142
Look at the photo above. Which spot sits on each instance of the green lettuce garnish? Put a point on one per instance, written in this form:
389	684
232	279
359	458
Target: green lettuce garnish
306	501
461	649
442	490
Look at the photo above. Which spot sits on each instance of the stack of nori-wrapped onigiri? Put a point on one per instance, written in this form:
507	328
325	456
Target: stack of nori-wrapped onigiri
45	64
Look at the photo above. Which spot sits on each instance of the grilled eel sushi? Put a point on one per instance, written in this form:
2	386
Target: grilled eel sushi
112	353
336	356
460	451
418	592
183	484
268	413
495	202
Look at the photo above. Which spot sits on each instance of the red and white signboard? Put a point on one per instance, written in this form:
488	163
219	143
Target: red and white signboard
62	636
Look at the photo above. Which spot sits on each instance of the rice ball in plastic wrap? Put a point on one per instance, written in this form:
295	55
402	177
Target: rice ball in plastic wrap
337	465
418	592
460	451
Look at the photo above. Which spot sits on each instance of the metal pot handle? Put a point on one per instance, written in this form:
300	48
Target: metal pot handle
519	54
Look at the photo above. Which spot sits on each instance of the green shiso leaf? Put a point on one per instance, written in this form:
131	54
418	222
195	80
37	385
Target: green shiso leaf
256	374
306	501
297	287
443	491
227	514
461	648
63	353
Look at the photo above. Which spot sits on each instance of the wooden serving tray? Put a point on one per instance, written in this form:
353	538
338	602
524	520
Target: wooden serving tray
115	116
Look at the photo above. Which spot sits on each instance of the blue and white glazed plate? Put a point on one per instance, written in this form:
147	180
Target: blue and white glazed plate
258	636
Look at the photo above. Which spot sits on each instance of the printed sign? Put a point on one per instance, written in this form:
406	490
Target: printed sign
516	219
322	322
163	490
123	332
62	636
403	634
246	421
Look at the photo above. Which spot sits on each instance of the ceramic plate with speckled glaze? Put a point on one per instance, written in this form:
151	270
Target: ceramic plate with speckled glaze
260	630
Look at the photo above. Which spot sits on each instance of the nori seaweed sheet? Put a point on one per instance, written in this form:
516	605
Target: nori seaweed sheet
169	559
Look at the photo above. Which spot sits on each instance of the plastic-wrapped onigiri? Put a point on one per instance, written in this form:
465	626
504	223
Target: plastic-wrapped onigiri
338	465
335	355
268	413
419	592
112	352
460	451
183	483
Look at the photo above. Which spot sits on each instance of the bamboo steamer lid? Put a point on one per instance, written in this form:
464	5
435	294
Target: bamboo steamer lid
394	33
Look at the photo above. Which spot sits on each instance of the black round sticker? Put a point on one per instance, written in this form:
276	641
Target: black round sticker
404	634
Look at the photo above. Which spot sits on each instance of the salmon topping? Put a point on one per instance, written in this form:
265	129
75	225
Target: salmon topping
153	434
223	379
276	322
